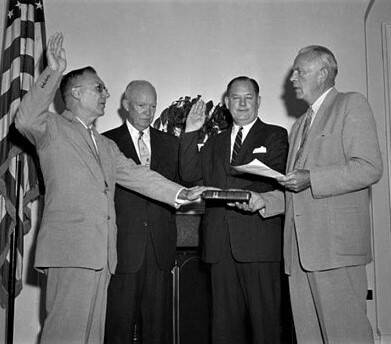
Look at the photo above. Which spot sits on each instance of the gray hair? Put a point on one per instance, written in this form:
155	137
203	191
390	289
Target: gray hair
326	57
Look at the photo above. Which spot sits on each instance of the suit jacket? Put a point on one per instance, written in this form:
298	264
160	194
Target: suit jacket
332	218
137	214
251	237
78	224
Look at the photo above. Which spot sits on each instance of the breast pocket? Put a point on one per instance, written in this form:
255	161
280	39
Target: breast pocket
327	149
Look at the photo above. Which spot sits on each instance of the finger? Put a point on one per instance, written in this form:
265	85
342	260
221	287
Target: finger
58	44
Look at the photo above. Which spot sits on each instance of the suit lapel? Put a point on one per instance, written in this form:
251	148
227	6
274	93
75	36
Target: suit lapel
296	134
224	150
319	122
252	140
83	142
155	147
125	143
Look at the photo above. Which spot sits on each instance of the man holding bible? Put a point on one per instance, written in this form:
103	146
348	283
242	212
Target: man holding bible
243	249
334	158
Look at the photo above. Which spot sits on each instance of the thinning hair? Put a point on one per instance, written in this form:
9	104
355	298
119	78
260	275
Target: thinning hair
68	80
243	78
326	57
135	85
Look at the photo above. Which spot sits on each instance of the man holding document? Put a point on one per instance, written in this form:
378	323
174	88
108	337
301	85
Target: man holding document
333	159
243	248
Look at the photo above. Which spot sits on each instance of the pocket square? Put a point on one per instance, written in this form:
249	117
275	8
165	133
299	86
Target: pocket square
261	149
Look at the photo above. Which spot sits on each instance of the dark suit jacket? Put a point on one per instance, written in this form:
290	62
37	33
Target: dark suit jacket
252	238
136	214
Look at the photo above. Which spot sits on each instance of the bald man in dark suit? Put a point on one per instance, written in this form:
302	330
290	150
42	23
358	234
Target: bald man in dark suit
146	242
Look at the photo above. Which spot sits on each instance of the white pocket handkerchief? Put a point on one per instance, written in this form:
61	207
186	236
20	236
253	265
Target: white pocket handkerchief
261	149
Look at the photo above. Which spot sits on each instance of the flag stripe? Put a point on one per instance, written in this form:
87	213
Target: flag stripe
19	47
21	29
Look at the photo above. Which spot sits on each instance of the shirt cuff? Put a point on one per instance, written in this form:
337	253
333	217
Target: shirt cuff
179	202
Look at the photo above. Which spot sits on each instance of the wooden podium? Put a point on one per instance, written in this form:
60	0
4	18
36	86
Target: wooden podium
191	283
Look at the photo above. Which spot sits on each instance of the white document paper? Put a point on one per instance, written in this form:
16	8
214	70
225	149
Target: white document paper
259	168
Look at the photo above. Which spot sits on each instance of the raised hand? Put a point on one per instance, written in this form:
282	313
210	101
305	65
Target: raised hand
55	53
196	117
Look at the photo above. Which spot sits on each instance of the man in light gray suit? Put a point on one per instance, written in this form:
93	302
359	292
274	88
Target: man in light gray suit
76	244
333	160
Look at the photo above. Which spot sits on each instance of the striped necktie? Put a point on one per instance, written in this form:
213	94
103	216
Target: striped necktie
304	136
237	145
143	150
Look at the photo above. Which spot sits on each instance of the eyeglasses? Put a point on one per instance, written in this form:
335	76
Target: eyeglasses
100	88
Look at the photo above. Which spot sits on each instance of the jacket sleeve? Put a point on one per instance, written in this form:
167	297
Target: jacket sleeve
31	117
143	180
190	159
275	203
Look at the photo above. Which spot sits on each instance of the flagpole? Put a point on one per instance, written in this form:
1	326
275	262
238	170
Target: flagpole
13	257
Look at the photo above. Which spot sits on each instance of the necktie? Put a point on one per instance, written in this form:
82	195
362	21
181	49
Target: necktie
304	135
96	152
143	150
237	145
90	131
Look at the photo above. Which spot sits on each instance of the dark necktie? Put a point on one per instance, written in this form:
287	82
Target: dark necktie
237	145
143	150
304	136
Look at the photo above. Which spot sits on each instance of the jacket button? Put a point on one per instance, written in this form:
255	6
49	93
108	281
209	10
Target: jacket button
145	224
108	217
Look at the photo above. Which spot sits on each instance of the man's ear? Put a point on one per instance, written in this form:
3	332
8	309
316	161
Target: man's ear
125	104
226	101
75	92
259	101
323	75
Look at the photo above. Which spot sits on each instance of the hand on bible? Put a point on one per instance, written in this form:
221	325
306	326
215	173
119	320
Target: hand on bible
191	194
55	53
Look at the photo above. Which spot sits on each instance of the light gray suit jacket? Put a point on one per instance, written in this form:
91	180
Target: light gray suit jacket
78	227
332	218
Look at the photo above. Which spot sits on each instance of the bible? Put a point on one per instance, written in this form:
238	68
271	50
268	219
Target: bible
227	195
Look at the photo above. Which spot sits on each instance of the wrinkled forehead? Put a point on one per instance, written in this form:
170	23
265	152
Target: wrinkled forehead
307	60
142	92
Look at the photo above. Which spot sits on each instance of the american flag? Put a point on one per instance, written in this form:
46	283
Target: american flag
22	60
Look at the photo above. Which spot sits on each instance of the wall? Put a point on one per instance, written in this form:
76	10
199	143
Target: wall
195	47
379	95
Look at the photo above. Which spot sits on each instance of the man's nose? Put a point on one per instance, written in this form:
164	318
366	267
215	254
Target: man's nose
293	76
242	101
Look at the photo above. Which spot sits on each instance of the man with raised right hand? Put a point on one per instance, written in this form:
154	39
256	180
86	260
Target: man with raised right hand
76	244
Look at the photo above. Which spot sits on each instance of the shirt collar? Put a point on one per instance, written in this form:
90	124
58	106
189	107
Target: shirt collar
84	125
135	132
246	128
318	102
